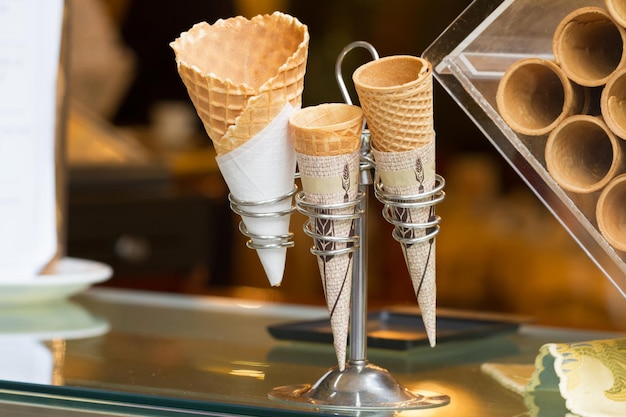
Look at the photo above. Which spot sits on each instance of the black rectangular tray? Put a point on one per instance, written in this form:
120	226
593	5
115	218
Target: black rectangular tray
402	330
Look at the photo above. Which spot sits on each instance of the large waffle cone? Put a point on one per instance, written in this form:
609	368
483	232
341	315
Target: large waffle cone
395	93
329	175
412	173
327	129
240	73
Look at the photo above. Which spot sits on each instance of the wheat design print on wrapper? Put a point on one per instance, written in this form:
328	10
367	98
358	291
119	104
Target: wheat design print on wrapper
404	214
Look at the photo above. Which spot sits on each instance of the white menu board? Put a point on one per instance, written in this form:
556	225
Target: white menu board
30	38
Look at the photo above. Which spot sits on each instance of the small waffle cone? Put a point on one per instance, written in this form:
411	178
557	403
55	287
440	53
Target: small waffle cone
589	45
240	73
327	129
327	140
617	11
613	103
583	155
420	257
610	213
535	95
395	93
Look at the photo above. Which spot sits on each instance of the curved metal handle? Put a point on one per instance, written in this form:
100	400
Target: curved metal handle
342	54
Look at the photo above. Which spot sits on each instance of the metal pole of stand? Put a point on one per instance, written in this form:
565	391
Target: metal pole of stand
358	310
358	313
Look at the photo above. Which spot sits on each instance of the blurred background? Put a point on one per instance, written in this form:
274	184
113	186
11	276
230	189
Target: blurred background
145	195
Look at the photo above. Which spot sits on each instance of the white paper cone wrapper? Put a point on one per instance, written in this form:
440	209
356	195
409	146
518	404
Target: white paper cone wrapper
331	180
261	169
410	173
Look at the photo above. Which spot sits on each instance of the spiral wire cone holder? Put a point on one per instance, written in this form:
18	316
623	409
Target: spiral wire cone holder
326	212
362	385
423	200
257	241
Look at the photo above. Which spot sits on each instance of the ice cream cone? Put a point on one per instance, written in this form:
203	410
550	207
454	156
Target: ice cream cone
245	77
610	213
583	155
589	46
613	101
535	95
327	139
395	93
397	99
617	10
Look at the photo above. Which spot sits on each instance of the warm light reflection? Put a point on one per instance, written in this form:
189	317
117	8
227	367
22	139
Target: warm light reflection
251	373
250	305
57	346
250	363
463	400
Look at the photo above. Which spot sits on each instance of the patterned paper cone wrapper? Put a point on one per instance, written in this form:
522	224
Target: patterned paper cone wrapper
327	140
395	93
410	173
245	77
330	180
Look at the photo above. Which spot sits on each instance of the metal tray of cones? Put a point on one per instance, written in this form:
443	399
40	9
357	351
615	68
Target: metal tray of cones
403	329
473	55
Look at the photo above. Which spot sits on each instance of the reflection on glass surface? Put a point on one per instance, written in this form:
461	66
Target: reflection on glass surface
33	339
207	355
24	360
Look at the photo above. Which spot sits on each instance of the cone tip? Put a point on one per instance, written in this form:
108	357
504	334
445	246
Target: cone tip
273	261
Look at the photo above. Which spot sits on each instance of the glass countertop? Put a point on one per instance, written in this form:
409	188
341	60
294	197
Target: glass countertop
122	352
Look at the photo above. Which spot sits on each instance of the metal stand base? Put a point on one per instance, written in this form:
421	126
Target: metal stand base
361	386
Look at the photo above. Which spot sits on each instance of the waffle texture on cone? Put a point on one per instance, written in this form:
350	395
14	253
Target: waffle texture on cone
240	73
327	129
395	93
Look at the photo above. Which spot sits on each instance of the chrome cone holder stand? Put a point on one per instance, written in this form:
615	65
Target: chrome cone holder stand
361	385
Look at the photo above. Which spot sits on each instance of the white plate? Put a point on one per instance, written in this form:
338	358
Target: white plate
70	276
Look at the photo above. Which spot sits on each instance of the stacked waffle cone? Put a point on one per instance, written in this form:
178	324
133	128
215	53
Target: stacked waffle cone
327	140
245	77
396	96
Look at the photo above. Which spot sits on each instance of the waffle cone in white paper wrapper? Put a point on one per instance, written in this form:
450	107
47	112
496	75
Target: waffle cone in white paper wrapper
245	77
331	136
410	173
395	93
